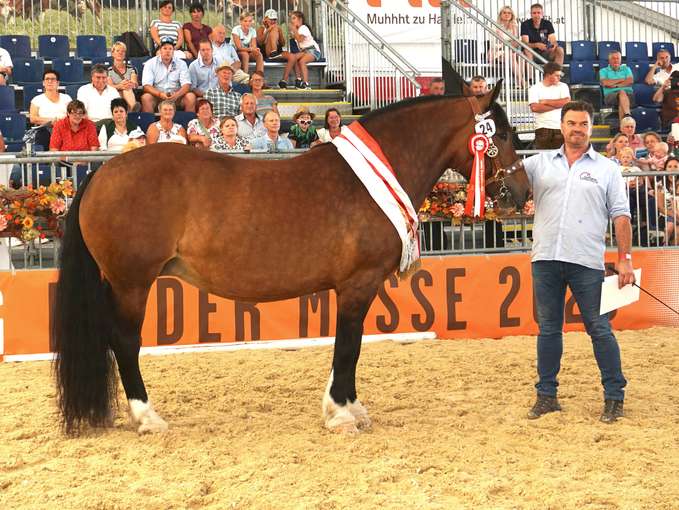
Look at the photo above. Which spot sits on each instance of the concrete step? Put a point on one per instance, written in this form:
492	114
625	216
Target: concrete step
313	95
288	109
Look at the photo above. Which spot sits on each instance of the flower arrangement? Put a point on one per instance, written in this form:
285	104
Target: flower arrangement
447	200
29	213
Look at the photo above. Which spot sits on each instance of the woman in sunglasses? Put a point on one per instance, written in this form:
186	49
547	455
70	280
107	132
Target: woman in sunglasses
302	133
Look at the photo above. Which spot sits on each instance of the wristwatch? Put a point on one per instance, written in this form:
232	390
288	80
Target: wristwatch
626	256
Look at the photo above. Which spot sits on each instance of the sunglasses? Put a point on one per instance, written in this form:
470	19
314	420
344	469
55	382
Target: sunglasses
305	122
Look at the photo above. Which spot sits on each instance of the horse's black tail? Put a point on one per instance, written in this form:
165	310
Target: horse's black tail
83	331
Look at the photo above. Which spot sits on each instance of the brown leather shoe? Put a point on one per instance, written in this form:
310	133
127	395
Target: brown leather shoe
612	411
543	405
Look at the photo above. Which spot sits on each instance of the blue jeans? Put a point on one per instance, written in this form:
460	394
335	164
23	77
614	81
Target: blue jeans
550	278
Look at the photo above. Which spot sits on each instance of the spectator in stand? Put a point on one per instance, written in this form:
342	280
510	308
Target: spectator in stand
309	51
626	157
203	132
250	123
97	96
437	87
3	147
229	139
538	33
546	100
166	130
195	31
616	80
303	133
478	86
628	126
167	29
203	70
5	66
499	52
137	139
224	52
51	105
672	199
114	134
75	133
264	101
270	37
332	126
660	71
224	99
656	153
122	76
244	39
272	141
668	97
618	142
166	78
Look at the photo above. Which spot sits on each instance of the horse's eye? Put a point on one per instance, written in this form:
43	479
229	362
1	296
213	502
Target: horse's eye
503	136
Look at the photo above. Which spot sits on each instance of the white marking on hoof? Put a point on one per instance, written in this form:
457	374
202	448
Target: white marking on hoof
360	413
337	418
148	419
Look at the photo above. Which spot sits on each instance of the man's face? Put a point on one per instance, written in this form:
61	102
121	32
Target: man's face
166	52
437	89
536	15
576	128
664	58
628	129
99	81
553	78
205	51
272	122
219	34
248	105
478	87
224	76
614	60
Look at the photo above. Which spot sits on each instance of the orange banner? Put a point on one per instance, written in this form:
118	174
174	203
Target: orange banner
456	297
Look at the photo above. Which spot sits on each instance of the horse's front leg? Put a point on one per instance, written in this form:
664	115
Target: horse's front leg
342	410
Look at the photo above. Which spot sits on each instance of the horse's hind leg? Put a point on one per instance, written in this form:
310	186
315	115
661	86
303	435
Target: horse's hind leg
342	410
130	308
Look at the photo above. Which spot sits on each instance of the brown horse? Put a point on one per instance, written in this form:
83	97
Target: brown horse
249	230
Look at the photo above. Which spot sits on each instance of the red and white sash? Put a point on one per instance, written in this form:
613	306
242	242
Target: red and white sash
365	157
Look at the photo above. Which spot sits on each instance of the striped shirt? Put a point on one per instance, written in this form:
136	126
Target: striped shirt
167	30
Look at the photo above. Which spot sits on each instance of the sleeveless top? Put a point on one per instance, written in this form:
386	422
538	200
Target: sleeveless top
170	136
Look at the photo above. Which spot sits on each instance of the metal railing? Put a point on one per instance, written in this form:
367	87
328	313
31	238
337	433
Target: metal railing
373	73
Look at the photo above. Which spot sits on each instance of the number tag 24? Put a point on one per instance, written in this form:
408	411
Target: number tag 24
486	127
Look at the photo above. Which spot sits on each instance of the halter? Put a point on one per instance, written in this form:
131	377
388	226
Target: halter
500	173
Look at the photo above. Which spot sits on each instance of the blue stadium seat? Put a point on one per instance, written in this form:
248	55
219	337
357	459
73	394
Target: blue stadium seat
636	51
72	89
27	70
19	46
90	46
562	45
657	46
643	95
105	61
30	91
583	73
53	46
138	64
241	88
639	70
184	118
142	119
465	51
13	126
647	119
604	48
582	51
7	102
70	69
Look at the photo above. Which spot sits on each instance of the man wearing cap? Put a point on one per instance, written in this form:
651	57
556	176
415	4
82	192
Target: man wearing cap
270	38
222	51
225	100
203	70
250	125
166	78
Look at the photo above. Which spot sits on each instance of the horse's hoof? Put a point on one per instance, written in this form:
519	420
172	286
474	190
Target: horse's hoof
360	414
363	422
345	428
155	426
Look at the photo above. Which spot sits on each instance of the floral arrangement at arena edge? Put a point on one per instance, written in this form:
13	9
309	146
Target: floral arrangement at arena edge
28	213
447	200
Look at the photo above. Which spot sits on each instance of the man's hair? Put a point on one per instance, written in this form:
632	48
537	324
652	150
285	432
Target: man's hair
196	6
551	68
438	79
75	105
537	6
204	40
663	50
577	106
478	77
628	120
98	69
119	102
613	52
243	97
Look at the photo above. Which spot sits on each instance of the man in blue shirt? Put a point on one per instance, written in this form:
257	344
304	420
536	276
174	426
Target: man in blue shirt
203	70
576	192
538	33
166	78
616	80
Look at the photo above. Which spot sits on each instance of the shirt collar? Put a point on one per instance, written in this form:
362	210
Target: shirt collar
561	153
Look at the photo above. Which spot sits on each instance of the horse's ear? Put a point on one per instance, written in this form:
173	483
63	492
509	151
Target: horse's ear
454	82
489	98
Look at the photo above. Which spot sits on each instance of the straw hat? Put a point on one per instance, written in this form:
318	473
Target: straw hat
303	110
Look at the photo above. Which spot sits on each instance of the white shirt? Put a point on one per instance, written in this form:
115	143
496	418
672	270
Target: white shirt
5	59
661	76
552	118
49	110
97	106
307	40
117	140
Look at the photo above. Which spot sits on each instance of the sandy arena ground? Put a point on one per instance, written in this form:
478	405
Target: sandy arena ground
449	431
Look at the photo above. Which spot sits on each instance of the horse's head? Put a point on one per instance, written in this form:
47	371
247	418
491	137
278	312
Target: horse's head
507	182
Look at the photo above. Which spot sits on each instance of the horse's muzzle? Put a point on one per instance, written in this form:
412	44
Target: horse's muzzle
508	192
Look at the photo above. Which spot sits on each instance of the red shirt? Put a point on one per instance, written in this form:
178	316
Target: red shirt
64	139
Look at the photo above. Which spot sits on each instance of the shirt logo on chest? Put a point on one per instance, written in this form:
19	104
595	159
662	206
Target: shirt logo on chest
586	176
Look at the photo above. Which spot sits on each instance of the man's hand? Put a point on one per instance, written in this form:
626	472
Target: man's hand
540	46
625	273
